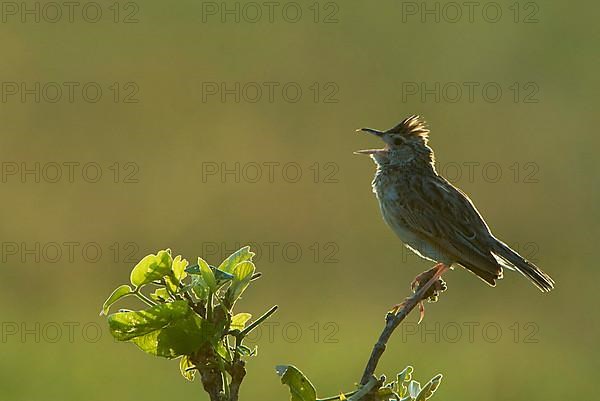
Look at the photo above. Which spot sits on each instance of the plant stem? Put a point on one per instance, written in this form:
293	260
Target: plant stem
365	389
393	320
238	367
144	298
224	379
171	293
257	322
209	306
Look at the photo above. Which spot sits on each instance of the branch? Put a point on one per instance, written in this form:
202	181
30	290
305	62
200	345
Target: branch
211	377
393	320
371	384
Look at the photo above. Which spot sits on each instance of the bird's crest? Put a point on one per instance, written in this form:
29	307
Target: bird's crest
412	126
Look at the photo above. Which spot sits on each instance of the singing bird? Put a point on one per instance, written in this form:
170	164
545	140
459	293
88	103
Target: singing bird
432	217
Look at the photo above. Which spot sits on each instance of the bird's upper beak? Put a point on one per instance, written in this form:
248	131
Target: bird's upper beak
370	131
369	151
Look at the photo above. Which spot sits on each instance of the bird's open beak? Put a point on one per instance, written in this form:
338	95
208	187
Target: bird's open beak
369	151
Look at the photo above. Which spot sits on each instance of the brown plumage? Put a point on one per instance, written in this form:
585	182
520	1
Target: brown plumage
432	217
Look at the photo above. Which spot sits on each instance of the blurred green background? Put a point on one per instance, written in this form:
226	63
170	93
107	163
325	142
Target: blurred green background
356	64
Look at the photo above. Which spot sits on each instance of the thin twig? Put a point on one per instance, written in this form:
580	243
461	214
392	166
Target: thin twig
143	298
393	320
258	321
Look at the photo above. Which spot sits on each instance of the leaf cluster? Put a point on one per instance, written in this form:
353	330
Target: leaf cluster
404	388
189	315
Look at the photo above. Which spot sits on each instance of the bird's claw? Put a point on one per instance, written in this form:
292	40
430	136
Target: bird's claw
397	307
421	312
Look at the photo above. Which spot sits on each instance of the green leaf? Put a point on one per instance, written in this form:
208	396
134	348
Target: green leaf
238	322
243	273
152	267
117	294
242	255
199	287
219	274
207	274
301	389
168	330
187	368
223	352
385	393
161	294
246	351
178	273
404	377
222	276
195	269
179	265
414	388
429	388
125	326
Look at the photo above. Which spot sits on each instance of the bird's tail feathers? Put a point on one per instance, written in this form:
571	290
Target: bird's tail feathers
514	261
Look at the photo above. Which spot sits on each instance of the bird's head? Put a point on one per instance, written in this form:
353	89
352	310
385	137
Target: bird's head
404	143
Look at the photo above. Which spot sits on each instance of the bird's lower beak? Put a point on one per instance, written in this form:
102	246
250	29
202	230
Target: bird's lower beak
367	151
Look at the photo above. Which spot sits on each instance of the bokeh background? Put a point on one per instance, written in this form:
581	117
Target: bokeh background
161	139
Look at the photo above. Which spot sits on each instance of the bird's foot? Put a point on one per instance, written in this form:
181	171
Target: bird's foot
432	283
422	278
394	310
399	306
438	286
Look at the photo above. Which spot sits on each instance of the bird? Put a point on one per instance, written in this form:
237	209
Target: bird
432	217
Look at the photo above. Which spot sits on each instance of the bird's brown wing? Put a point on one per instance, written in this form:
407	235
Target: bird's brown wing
444	216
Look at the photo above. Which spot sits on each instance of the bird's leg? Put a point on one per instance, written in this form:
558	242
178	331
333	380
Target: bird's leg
423	277
430	277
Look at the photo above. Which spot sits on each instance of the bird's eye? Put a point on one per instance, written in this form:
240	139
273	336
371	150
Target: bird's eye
398	141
